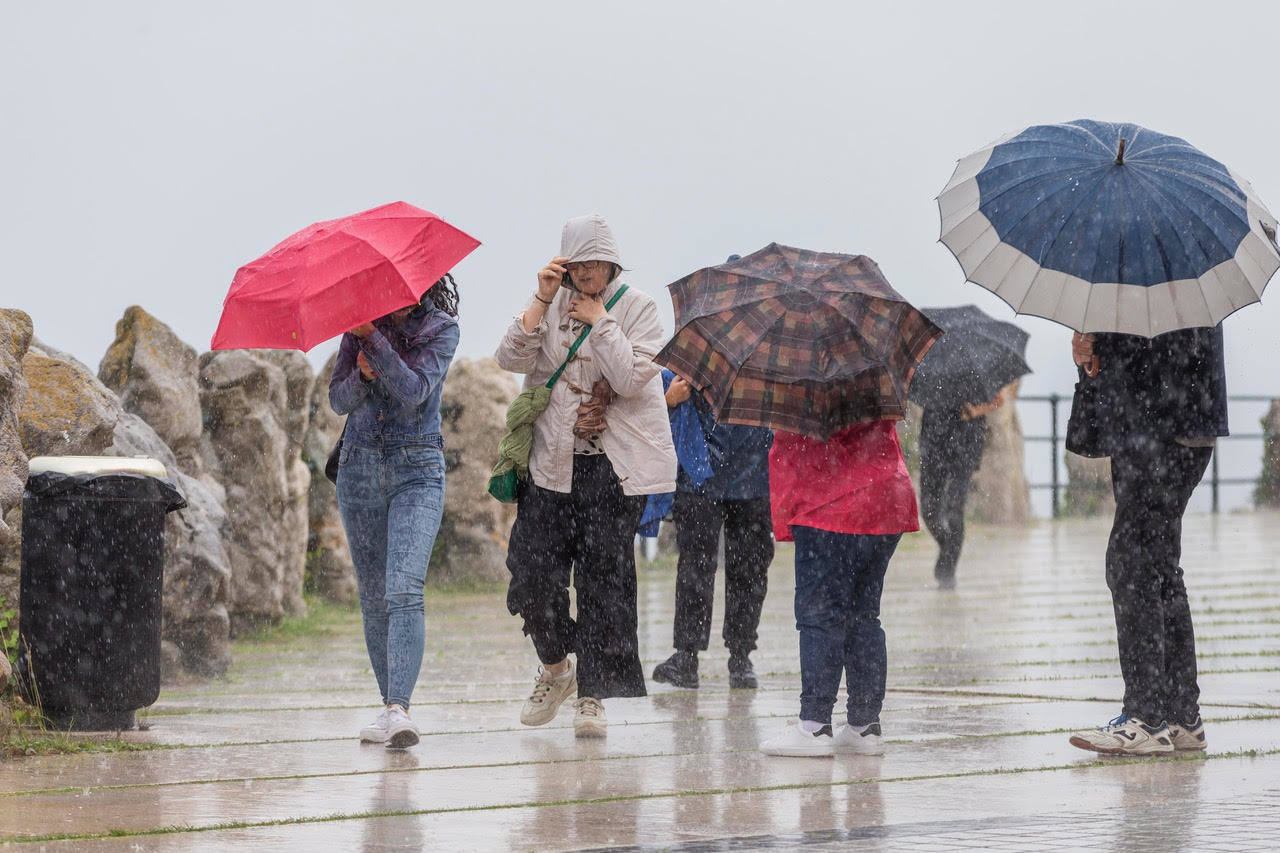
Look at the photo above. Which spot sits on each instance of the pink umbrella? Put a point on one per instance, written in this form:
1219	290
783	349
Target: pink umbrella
334	275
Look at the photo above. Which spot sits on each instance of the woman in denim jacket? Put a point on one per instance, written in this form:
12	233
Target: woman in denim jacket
387	379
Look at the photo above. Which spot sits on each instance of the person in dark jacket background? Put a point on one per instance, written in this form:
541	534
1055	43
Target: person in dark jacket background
1159	404
951	443
734	498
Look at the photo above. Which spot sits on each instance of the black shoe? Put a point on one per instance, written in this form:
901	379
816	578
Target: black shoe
680	670
741	675
946	582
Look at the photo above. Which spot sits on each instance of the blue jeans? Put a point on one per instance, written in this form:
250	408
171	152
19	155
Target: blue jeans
391	499
839	577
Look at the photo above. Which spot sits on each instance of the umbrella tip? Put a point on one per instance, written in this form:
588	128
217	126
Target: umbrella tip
1120	153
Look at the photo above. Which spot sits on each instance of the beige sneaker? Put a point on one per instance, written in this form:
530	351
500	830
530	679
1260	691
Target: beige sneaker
588	718
548	693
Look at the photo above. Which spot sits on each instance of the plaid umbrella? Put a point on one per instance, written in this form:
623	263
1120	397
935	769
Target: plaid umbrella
801	341
978	356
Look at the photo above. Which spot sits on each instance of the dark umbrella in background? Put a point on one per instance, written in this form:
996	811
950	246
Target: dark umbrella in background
802	341
976	357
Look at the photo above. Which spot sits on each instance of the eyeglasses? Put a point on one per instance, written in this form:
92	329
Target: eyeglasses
585	266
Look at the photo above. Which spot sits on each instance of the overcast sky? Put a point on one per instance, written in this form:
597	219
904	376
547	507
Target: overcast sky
149	149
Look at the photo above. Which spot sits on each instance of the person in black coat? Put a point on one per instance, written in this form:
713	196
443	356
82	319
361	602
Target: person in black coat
1155	406
952	439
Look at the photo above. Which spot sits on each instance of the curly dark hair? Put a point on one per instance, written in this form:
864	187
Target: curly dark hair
444	295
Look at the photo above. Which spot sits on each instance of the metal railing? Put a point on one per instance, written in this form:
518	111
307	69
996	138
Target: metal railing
1056	436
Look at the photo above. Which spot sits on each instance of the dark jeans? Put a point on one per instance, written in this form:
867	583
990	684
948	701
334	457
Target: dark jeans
1152	482
839	577
748	550
950	454
588	536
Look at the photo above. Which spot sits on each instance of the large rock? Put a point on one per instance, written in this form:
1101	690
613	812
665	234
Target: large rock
298	381
1000	493
328	557
252	446
1267	493
156	377
472	543
15	337
1088	487
68	411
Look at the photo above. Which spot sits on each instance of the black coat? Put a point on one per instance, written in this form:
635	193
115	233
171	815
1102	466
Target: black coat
1168	387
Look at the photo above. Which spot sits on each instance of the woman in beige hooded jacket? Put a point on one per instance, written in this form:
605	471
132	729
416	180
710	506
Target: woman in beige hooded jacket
577	514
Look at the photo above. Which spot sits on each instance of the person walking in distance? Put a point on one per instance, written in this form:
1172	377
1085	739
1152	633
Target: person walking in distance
387	379
1157	405
735	500
951	443
602	444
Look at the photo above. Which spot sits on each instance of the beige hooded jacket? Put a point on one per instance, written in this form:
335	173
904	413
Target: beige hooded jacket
620	348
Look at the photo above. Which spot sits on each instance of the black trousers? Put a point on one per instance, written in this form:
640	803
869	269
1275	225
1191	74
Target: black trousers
950	454
1152	482
585	537
748	551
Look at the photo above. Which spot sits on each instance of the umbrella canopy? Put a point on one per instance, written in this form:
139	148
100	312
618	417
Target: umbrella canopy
332	276
1109	228
976	357
801	341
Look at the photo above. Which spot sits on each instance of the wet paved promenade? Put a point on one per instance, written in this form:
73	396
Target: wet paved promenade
984	683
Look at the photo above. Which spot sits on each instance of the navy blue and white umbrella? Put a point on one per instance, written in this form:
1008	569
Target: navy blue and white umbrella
1109	228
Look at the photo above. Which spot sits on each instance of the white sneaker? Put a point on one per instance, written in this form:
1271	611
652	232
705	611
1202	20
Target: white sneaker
548	693
859	740
1188	738
588	718
401	732
798	743
1125	736
375	732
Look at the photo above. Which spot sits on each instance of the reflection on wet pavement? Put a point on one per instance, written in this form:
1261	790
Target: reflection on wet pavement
983	684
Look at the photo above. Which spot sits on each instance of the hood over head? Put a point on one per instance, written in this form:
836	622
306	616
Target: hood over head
588	238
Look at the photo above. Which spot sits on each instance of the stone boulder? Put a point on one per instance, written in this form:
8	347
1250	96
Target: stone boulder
1266	495
1088	487
472	544
250	445
1000	493
68	411
15	337
298	381
328	557
156	377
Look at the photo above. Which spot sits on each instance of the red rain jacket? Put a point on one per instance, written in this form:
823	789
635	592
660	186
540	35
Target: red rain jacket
856	482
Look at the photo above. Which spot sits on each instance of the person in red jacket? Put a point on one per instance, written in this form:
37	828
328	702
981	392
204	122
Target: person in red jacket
845	503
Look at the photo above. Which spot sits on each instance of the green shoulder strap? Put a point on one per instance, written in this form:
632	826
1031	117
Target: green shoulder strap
555	377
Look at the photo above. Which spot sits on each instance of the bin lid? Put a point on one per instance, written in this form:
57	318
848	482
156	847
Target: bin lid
72	465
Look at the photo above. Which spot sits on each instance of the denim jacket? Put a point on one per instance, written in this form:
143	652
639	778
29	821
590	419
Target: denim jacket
401	404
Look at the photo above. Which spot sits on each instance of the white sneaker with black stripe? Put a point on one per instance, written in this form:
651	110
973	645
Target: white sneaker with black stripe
795	742
859	740
1189	738
1125	736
